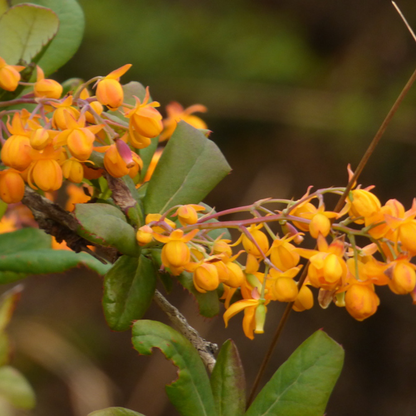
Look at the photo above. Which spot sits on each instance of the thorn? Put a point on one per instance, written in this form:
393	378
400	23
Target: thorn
404	20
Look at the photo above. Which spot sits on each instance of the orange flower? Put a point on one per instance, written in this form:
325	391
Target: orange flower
176	113
9	75
175	253
46	87
109	91
12	186
361	301
145	120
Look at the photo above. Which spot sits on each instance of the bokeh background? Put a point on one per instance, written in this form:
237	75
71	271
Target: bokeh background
295	91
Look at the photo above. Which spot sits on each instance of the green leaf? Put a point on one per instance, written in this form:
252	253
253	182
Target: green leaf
15	388
209	305
23	240
8	302
164	277
69	36
106	225
228	382
129	287
3	7
45	261
115	411
4	349
303	384
190	393
190	167
24	31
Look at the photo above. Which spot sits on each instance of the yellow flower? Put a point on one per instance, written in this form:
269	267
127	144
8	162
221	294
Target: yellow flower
46	87
304	299
78	138
362	203
72	169
12	186
44	172
144	235
176	113
59	118
361	301
109	91
9	75
175	253
252	322
283	254
205	277
145	121
188	214
327	269
260	238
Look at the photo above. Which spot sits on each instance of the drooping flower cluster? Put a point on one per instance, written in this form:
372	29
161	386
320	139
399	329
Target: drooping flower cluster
63	136
266	267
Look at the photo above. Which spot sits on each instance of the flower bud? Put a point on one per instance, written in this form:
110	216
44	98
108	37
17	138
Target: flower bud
72	169
110	93
261	240
175	253
40	138
45	174
403	279
47	88
206	278
144	235
114	164
320	224
12	186
16	152
363	204
361	302
222	247
304	299
9	75
285	289
235	275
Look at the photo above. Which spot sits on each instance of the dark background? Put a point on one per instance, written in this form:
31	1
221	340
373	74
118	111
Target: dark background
295	91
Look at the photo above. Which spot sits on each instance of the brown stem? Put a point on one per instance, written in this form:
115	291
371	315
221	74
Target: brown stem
338	208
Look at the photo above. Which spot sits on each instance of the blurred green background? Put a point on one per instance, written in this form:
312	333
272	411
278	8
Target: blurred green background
295	91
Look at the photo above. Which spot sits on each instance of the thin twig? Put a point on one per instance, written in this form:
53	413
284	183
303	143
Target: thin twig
206	349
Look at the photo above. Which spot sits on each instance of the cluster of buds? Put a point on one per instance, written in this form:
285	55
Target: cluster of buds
58	139
268	265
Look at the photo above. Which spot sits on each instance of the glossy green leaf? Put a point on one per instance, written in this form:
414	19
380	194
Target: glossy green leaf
303	384
24	30
45	261
115	411
69	36
228	382
106	225
190	393
15	388
190	167
129	287
208	303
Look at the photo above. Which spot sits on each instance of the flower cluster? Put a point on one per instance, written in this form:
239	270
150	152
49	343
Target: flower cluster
63	137
266	267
